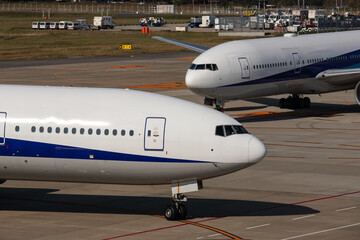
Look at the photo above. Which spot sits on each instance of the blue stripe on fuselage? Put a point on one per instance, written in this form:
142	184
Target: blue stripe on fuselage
22	148
309	71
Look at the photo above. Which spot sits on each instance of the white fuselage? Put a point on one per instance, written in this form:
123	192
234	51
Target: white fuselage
115	136
269	66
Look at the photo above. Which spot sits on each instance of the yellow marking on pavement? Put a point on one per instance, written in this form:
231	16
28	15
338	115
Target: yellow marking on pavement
171	85
130	66
186	59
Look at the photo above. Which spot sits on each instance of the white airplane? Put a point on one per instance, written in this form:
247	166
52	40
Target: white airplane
120	137
305	64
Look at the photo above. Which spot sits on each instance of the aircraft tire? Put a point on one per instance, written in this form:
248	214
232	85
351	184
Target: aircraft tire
171	213
182	212
307	102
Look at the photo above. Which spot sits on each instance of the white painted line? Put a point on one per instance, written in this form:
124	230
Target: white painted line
327	230
200	238
217	234
264	225
298	218
344	209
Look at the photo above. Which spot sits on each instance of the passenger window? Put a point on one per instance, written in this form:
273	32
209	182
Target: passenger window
73	131
57	130
106	132
66	130
149	133
82	131
219	131
49	129
17	128
114	132
33	129
131	133
98	131
41	129
90	131
123	132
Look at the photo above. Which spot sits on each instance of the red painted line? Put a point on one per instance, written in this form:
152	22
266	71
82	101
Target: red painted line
303	142
253	211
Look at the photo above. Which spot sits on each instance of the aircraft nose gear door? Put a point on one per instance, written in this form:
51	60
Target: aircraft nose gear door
154	136
2	127
245	68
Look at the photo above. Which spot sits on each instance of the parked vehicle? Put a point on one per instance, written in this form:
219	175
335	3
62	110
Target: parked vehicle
157	22
64	24
103	22
207	21
54	25
74	26
44	25
35	25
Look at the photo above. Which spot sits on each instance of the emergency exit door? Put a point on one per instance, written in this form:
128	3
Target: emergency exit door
245	68
297	62
2	127
154	136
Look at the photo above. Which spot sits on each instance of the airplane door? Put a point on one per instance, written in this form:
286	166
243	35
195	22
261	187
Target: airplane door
297	62
154	135
245	68
2	127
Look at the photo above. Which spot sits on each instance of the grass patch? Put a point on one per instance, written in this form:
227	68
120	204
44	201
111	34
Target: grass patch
19	41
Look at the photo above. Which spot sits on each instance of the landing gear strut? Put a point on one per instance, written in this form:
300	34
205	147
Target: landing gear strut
295	101
176	210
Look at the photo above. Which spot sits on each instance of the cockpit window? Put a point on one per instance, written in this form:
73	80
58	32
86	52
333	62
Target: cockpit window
200	67
219	131
228	130
209	66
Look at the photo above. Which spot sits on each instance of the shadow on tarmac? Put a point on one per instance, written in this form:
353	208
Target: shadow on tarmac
46	200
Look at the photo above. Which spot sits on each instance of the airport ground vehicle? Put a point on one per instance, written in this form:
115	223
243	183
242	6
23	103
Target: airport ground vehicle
54	25
103	22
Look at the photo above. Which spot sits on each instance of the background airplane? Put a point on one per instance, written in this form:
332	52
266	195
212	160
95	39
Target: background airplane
119	136
294	64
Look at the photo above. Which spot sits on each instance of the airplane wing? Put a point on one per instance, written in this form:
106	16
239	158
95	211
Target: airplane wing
340	77
191	46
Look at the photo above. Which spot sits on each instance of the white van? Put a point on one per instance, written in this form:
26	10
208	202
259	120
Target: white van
54	25
74	26
44	25
35	25
64	24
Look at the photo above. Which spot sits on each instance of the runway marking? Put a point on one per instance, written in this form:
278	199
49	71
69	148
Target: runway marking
297	146
345	209
258	226
283	157
298	218
130	66
329	120
213	235
346	102
57	75
186	59
257	114
347	145
323	231
303	142
171	85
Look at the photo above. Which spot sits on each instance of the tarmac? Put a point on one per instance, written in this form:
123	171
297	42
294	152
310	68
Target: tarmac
307	186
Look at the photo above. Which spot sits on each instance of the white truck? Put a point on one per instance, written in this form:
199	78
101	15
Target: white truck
64	25
35	25
103	22
207	21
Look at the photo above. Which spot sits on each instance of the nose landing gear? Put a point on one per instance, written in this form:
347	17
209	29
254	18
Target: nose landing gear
295	101
176	210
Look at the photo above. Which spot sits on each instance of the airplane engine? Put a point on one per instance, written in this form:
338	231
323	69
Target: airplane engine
357	93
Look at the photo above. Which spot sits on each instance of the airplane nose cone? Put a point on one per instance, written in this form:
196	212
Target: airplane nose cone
192	80
257	150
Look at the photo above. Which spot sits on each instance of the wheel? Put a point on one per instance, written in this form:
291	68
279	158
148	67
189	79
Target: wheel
171	213
182	212
307	102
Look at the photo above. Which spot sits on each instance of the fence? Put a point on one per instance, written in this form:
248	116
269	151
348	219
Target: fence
241	24
338	24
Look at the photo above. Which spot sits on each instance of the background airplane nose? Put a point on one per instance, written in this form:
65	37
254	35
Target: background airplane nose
192	80
257	150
